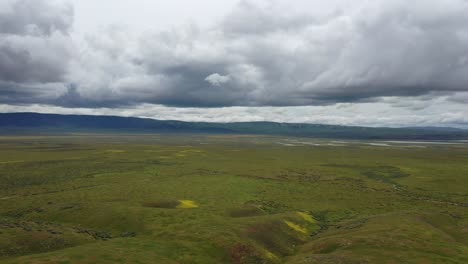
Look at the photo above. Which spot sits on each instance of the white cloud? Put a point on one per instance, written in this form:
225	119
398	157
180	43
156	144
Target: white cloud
216	79
391	111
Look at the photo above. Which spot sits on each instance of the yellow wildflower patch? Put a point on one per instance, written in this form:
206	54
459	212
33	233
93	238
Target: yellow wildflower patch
306	217
270	255
296	227
186	204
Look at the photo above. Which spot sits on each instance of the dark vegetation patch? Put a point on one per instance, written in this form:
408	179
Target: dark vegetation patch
321	216
245	211
327	248
245	254
26	237
70	206
18	212
354	224
299	175
385	173
128	234
270	207
276	237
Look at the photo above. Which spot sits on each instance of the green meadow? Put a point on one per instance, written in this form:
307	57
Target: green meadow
231	199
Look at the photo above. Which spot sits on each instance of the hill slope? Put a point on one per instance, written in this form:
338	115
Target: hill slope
26	123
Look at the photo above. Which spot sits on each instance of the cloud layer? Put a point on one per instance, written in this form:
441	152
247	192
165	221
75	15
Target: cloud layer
259	54
389	111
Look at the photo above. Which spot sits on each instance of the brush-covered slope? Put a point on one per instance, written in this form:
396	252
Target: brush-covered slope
12	123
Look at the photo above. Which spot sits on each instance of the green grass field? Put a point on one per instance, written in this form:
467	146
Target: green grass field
230	199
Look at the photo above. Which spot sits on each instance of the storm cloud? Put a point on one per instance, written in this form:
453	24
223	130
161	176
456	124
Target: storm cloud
259	54
35	50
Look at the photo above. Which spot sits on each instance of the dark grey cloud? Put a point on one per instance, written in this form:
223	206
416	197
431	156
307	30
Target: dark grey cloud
21	62
28	93
257	55
35	50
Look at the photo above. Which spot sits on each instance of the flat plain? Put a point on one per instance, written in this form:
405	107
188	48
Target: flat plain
97	198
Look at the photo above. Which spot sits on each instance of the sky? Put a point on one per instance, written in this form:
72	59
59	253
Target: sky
362	62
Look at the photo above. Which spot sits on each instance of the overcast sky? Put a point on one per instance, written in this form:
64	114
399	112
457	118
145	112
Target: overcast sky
361	62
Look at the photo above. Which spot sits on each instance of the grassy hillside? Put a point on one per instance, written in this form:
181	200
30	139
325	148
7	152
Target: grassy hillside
230	199
33	123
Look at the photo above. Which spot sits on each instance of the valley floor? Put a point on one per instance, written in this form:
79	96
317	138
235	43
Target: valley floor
231	199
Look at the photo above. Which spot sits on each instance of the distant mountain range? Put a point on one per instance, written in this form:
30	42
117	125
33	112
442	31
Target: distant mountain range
34	123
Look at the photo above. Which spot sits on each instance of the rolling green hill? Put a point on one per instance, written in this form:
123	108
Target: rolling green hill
233	199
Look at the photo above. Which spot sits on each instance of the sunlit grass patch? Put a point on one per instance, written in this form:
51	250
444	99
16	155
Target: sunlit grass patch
192	150
186	204
115	151
307	217
8	197
162	204
12	161
271	256
296	227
